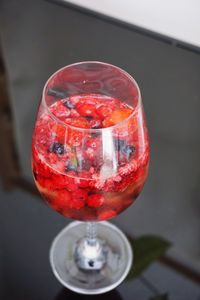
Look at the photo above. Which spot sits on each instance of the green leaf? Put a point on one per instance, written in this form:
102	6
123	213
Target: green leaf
146	250
160	297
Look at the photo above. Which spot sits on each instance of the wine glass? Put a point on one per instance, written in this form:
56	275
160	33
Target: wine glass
90	157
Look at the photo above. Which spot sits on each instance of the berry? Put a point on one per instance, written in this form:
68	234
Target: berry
61	200
117	116
53	158
74	137
104	111
128	150
106	214
95	124
57	148
78	199
69	104
84	179
79	122
89	118
74	113
95	200
60	111
93	143
87	110
71	187
90	153
56	93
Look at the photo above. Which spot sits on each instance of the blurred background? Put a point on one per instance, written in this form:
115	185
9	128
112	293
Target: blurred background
158	44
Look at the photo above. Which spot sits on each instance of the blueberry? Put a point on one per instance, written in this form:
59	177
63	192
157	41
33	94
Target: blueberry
91	263
89	118
128	150
71	167
119	144
95	134
69	104
57	148
56	93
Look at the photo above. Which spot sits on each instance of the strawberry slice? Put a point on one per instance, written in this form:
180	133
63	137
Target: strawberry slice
79	122
87	110
103	111
117	116
60	111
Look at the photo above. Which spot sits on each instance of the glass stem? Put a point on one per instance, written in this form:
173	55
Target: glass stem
91	233
90	253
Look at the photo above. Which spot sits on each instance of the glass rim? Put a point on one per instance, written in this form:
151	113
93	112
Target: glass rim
139	102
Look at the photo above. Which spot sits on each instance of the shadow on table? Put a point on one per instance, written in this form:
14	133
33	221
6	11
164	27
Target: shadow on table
67	294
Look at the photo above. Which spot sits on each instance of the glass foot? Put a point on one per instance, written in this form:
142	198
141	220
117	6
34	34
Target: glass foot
79	270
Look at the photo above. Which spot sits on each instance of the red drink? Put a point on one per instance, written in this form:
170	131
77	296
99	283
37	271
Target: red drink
90	157
89	173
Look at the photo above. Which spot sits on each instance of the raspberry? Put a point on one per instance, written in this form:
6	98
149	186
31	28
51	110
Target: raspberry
71	187
78	199
84	179
93	143
90	153
61	181
106	214
95	200
69	181
53	158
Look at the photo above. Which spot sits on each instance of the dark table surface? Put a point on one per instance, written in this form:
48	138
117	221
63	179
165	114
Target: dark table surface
38	37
